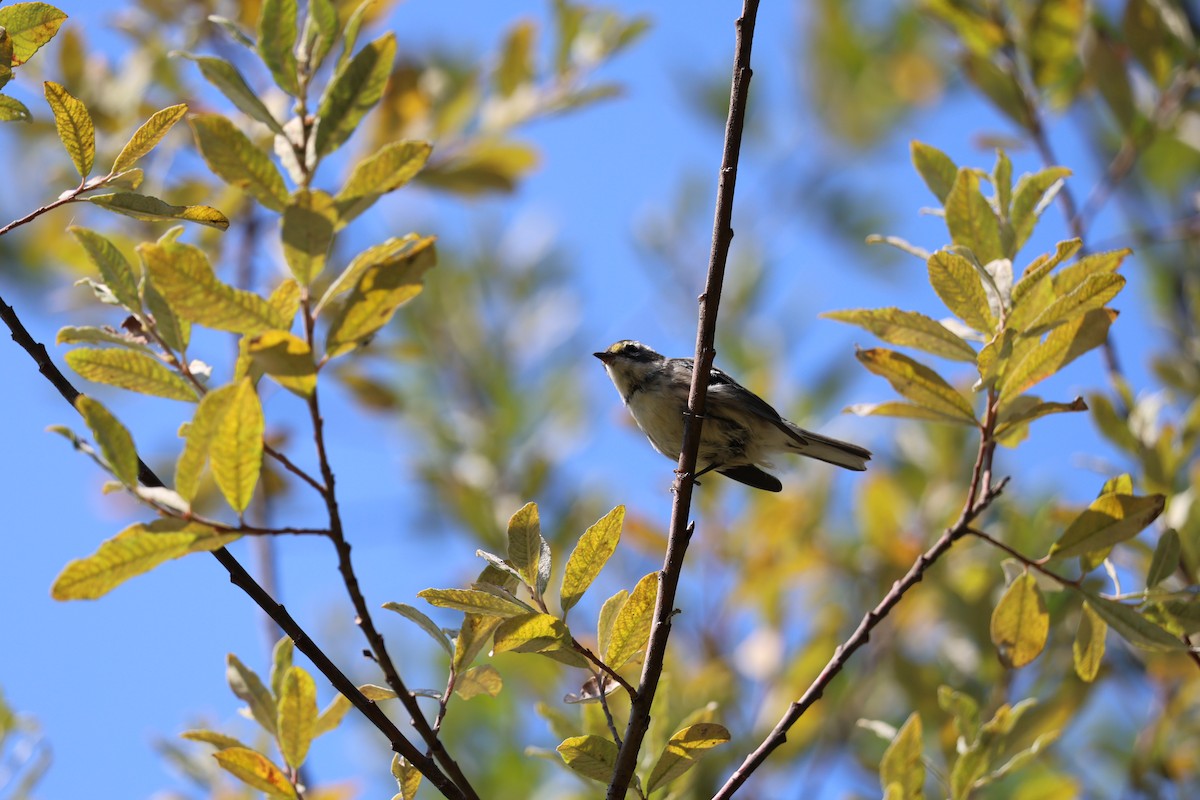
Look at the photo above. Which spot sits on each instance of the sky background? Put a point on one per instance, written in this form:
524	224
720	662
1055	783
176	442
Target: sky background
105	679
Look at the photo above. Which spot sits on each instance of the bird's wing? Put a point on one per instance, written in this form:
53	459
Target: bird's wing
753	476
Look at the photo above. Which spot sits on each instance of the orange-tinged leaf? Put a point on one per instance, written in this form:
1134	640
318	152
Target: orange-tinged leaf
256	771
1020	622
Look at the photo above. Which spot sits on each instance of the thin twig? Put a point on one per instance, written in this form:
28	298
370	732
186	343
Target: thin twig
605	668
681	530
1032	563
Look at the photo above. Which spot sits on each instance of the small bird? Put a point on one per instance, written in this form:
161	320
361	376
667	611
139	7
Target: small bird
741	430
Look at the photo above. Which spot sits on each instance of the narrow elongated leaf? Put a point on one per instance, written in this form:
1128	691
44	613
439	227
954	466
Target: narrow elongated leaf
281	661
217	740
971	220
1110	519
425	623
321	30
390	252
137	372
683	750
902	765
893	408
1040	268
1061	346
332	715
516	66
249	688
297	724
1027	408
1068	279
29	26
935	168
1133	627
595	547
608	616
277	42
354	90
235	160
591	756
308	223
1088	647
114	268
908	329
483	679
1020	622
114	440
75	128
391	167
1053	46
134	551
528	552
148	136
1166	558
175	332
917	382
256	771
959	286
631	627
1028	199
186	279
286	300
491	165
1092	293
200	433
229	81
1002	181
237	448
382	289
90	335
473	601
287	359
152	209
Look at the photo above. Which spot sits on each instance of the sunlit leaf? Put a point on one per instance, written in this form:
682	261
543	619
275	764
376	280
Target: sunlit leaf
147	137
473	635
277	42
908	329
281	661
608	615
236	449
516	58
91	335
917	382
332	715
535	633
590	756
959	286
285	299
1088	647
114	268
113	438
1028	196
902	765
935	168
1027	408
297	716
528	552
1110	519
198	441
152	209
1054	29
29	26
235	160
394	250
225	77
972	221
1133	627
256	771
631	627
999	86
1092	293
287	359
408	778
483	679
354	90
595	547
424	622
249	688
893	408
1061	346
75	128
217	740
683	750
308	223
126	369
388	169
13	110
1020	622
321	28
484	166
1165	560
473	601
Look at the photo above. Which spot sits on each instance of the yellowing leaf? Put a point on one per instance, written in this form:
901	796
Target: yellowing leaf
237	448
1037	271
1027	408
137	372
474	601
631	627
590	756
1061	346
528	552
256	771
595	547
185	278
114	440
277	42
1110	519
249	688
12	109
908	329
959	286
217	740
286	300
531	633
146	137
1020	622
902	410
332	715
683	750
918	383
29	26
225	77
297	716
608	615
1092	293
391	167
1028	195
114	268
151	209
236	160
408	777
308	223
473	636
75	128
902	766
287	359
483	679
1088	647
971	221
484	166
281	661
355	88
135	550
200	433
389	252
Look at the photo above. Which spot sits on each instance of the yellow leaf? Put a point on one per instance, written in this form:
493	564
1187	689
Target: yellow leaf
474	601
198	440
683	750
256	771
114	440
1020	623
608	615
307	231
1110	519
237	161
631	627
332	715
590	756
152	209
137	372
918	383
75	128
147	136
391	167
908	329
972	221
1060	347
236	450
297	716
902	765
959	286
483	679
595	547
1088	647
287	359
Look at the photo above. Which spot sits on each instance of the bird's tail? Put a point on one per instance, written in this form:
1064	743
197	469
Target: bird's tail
831	451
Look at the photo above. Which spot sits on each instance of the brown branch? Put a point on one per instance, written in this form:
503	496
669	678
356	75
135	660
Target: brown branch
242	579
1032	563
608	671
681	530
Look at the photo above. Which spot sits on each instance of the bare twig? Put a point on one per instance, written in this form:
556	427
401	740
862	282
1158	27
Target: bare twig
681	530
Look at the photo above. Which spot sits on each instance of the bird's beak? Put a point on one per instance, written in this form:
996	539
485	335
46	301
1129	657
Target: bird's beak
605	357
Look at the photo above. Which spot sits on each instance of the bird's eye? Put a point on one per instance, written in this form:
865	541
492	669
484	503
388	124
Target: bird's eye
630	349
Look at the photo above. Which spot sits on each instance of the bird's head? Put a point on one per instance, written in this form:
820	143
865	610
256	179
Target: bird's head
629	363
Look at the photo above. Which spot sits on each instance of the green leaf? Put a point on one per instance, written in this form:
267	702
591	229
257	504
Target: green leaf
256	771
631	627
308	224
483	679
382	288
331	716
115	269
424	622
474	601
186	279
959	286
971	220
287	359
354	90
482	166
1027	408
1133	627
918	383
249	688
908	329
137	372
152	209
90	335
234	159
281	662
935	168
1092	293
1165	560
277	42
391	167
590	756
963	708
528	552
902	765
894	408
1020	622
75	128
174	332
1061	346
200	433
516	58
1054	30
147	137
534	633
1088	647
1002	182
595	547
1153	31
297	724
1070	279
321	30
608	616
683	750
136	550
237	448
29	26
473	636
13	110
391	251
226	78
1027	200
114	440
1110	519
1034	293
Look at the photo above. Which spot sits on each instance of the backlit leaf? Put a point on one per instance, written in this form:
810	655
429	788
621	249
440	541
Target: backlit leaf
29	26
908	329
235	160
528	552
198	442
13	110
236	450
893	408
249	688
114	268
393	250
148	136
332	715
285	299
1088	647
917	382
277	42
608	615
483	679
935	168
226	78
1020	622
1165	559
152	209
354	90
631	627
287	359
75	128
1110	519
137	372
516	58
1027	408
473	601
217	740
114	440
1061	346
297	716
1053	46
532	633
970	218
683	750
595	547
308	223
1133	627
902	765
959	286
424	622
483	166
1092	293
256	771
388	169
473	635
1028	195
281	661
590	756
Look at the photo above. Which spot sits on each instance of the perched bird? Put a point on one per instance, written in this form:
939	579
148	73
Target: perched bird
741	431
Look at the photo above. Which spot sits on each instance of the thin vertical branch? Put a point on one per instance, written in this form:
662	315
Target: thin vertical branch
681	530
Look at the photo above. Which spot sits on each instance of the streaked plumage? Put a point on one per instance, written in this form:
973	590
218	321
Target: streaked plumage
741	430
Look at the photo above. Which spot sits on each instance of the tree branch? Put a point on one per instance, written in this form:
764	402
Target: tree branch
681	530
